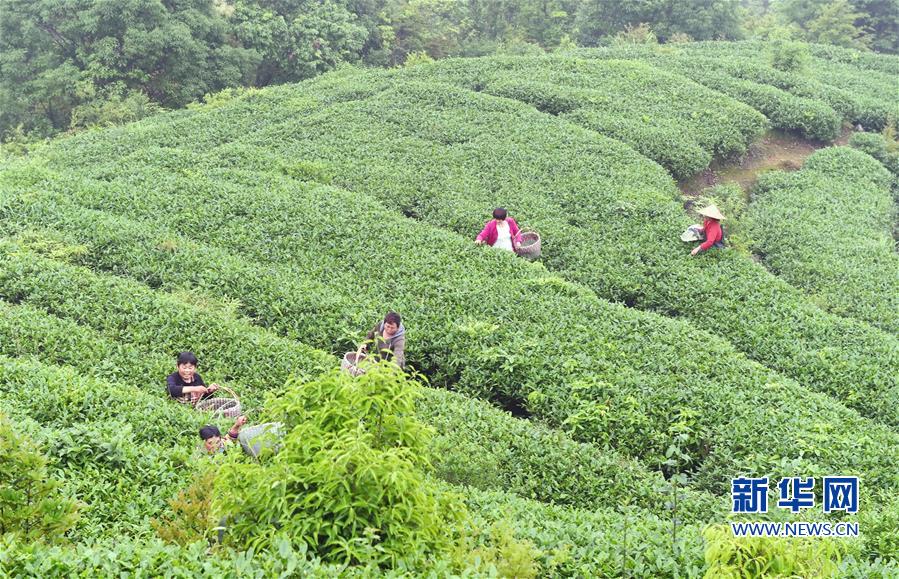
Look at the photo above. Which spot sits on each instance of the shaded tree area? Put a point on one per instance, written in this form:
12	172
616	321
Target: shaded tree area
860	24
65	63
80	63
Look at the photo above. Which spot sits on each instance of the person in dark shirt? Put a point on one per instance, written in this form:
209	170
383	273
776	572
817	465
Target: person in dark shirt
186	385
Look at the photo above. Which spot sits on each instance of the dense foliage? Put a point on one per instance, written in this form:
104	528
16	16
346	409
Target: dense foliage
31	507
827	229
349	479
70	66
60	60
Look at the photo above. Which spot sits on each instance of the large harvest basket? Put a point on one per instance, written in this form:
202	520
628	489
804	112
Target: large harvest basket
530	245
227	407
351	363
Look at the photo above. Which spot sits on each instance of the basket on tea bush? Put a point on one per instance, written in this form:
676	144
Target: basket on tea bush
351	363
530	245
227	407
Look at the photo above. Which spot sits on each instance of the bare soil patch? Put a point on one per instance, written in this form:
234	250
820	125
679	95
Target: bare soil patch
774	151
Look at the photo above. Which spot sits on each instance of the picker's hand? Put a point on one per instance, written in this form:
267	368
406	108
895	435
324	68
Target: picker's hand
479	242
241	420
212	388
695	250
363	348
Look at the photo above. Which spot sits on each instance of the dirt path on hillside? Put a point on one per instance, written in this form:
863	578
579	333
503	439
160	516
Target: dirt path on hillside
774	150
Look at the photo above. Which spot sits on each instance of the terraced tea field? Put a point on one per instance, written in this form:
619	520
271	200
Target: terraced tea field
579	415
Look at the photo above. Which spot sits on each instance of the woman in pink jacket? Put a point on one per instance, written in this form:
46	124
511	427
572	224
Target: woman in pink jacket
501	231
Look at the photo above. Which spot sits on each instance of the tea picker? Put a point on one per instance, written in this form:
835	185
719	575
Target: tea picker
253	440
503	232
187	387
388	341
710	232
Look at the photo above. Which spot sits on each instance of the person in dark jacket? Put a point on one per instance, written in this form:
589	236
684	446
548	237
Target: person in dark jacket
711	227
388	338
186	385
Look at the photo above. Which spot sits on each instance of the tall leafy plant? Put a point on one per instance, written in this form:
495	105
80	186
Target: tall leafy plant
31	506
350	477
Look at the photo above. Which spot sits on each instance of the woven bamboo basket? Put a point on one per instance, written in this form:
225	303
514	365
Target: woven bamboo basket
227	407
530	245
350	363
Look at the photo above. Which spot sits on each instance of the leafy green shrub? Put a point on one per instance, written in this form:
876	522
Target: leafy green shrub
730	557
111	106
32	507
635	34
789	56
510	557
191	518
349	477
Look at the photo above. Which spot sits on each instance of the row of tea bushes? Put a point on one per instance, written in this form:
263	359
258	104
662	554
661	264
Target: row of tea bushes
828	230
516	456
670	119
859	90
617	381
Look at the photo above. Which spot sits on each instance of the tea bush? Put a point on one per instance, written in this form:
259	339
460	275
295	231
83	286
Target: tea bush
349	479
882	149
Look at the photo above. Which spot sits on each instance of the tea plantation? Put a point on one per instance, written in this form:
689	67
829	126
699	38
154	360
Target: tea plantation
581	415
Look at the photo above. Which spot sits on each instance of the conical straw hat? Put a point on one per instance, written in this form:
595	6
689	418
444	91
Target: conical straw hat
711	211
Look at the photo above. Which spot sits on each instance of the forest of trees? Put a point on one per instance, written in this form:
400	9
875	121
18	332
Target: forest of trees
72	64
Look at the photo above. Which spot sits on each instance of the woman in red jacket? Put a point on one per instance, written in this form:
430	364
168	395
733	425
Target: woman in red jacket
501	231
712	228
